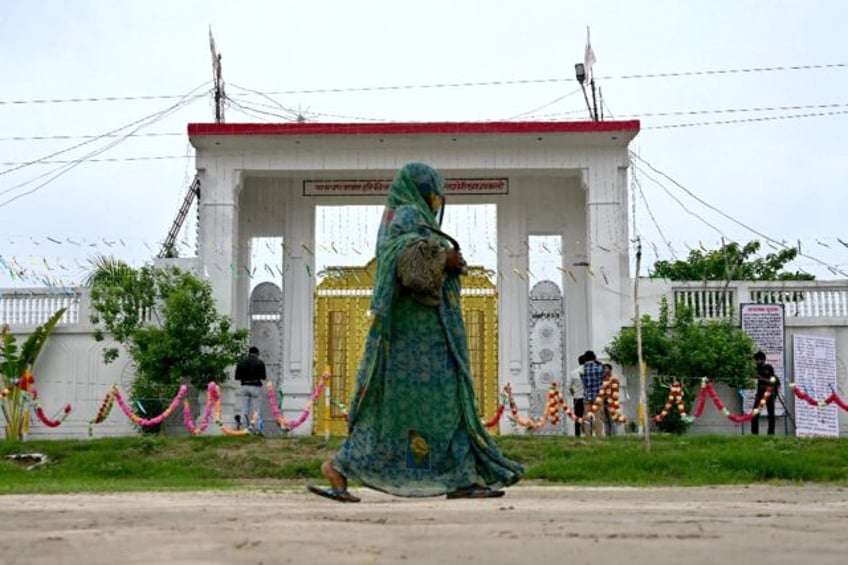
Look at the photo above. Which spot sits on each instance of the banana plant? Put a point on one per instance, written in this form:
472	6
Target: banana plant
16	370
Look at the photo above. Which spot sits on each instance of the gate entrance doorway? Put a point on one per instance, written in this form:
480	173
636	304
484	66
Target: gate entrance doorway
342	322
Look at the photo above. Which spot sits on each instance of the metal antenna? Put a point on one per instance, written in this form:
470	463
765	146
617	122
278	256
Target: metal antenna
218	80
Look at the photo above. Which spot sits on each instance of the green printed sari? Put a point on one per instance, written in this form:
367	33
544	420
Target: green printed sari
414	429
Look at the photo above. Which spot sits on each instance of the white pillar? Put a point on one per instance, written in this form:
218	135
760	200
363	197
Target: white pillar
513	299
218	235
299	301
574	277
607	243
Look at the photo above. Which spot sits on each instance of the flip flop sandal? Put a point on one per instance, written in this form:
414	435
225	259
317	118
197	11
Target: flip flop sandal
475	491
337	495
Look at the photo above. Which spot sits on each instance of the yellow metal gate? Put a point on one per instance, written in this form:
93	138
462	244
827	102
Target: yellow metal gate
341	324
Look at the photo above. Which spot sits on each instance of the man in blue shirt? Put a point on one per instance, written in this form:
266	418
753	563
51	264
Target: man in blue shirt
593	376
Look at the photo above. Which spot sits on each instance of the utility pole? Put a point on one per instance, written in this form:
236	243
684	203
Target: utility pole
594	98
217	80
643	378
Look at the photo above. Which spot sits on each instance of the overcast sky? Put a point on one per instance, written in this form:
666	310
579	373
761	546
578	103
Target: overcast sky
713	133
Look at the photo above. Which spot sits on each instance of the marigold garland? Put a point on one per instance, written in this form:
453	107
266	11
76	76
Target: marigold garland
212	408
608	394
613	390
675	397
105	407
528	423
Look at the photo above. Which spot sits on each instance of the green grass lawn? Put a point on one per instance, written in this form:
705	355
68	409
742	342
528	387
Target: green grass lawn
219	462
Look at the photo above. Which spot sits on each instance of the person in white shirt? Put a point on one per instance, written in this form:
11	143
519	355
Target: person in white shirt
575	389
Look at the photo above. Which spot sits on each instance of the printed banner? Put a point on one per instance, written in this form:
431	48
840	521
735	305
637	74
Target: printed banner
381	187
815	374
765	325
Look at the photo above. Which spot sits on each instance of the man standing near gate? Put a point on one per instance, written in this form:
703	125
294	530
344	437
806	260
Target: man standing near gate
251	372
765	378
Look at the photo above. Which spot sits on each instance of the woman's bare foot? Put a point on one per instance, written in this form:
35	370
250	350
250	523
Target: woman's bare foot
338	485
337	480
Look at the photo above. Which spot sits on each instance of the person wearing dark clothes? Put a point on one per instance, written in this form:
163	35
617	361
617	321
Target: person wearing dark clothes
765	378
251	372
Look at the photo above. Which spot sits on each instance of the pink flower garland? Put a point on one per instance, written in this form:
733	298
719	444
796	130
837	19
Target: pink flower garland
284	423
212	396
150	421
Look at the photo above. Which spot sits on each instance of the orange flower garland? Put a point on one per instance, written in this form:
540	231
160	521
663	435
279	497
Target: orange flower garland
675	396
613	389
528	423
215	397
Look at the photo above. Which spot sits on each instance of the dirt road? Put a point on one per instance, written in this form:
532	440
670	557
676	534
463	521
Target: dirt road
599	526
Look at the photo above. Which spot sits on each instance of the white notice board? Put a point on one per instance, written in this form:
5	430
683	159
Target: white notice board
815	374
764	324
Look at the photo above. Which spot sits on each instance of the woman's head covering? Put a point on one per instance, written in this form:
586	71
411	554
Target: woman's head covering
415	198
430	185
418	186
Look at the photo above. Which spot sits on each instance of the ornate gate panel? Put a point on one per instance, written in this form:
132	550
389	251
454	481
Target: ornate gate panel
341	325
546	349
266	331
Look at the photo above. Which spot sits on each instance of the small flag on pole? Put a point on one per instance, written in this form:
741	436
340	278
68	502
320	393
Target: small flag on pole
589	56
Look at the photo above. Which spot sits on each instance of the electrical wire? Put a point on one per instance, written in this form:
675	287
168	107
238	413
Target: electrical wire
240	100
546	105
74	163
727	216
64	169
738	110
748	120
186	98
294	114
255	115
653	218
104	160
65	136
245	112
263	116
673	74
673	197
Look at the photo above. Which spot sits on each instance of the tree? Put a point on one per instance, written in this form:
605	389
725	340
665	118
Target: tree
167	321
731	262
16	372
685	351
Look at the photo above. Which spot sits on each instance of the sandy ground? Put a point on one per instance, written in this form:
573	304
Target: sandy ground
531	524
